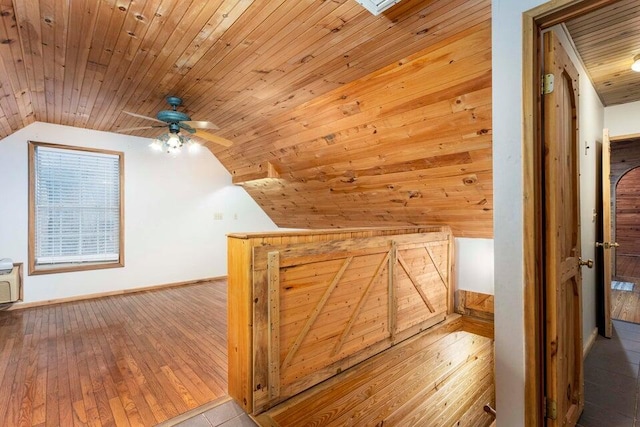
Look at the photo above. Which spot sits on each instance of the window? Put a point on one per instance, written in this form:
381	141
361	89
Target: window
75	208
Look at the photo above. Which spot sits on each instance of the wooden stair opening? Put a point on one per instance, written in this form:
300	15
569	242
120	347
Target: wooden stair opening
355	327
440	377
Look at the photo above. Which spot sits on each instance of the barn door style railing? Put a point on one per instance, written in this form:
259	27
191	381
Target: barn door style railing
320	308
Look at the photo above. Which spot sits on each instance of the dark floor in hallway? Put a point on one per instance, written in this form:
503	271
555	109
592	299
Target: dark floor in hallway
611	379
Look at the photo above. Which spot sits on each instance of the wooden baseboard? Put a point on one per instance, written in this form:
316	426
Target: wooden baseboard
589	344
478	326
23	305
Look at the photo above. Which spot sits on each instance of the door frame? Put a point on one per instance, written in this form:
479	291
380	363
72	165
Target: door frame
534	21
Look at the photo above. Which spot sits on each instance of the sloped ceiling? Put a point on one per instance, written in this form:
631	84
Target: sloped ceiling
338	117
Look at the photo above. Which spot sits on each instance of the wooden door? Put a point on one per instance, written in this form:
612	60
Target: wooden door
606	231
563	280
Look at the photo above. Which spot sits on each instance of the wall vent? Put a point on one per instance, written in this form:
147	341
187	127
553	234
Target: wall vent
377	6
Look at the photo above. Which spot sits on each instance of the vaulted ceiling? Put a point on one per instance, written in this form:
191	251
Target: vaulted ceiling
338	117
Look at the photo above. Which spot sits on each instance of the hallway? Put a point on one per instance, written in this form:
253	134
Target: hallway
611	379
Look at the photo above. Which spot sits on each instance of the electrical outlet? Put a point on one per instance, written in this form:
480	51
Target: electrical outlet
217	216
235	216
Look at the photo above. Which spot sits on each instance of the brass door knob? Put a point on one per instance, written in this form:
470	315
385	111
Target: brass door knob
607	245
588	263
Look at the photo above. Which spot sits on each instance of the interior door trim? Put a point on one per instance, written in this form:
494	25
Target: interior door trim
534	21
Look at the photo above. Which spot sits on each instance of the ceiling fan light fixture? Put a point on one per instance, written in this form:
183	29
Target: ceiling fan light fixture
171	142
636	63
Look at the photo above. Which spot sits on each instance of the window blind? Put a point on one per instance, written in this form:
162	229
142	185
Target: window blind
77	206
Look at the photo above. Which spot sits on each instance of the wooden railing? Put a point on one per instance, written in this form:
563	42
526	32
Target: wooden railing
318	303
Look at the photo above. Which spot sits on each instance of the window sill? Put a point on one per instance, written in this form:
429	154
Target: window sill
35	270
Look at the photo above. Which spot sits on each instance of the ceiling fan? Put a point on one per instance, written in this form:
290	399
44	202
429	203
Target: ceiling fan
175	120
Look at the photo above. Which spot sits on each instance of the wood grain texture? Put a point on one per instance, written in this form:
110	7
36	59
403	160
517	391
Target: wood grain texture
136	359
625	305
338	117
606	214
625	158
475	304
333	296
534	21
439	377
607	39
410	143
334	303
628	267
563	285
628	214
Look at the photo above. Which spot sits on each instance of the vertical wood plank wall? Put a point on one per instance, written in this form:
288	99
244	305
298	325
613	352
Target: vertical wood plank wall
625	156
628	214
255	260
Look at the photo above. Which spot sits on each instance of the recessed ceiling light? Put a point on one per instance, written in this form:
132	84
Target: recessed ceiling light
636	63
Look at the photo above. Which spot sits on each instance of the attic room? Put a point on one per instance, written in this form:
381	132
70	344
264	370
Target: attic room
370	162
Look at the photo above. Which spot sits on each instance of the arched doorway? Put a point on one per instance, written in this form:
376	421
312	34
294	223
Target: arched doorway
626	285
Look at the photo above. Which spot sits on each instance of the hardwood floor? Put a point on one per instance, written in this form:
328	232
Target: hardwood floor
135	359
440	377
625	305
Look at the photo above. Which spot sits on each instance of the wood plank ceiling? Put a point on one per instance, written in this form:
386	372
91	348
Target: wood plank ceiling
338	117
607	39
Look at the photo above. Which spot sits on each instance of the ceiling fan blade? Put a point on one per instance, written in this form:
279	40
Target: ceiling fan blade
214	138
132	129
199	124
143	117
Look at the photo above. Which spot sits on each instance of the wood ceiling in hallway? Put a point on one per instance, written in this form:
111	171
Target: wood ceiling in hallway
607	39
268	72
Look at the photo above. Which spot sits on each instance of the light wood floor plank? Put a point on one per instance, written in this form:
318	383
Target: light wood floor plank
133	359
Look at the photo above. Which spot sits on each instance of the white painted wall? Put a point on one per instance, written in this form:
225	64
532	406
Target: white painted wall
474	265
508	209
623	119
170	231
506	40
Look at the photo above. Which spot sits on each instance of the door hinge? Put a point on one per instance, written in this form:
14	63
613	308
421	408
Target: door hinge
548	81
550	409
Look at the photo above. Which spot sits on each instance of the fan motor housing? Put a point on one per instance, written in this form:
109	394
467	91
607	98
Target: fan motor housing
171	116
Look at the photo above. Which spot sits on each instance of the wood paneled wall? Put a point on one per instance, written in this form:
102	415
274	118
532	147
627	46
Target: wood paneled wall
625	156
408	144
628	213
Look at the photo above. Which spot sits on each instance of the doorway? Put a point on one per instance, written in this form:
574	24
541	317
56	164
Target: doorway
625	213
539	338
